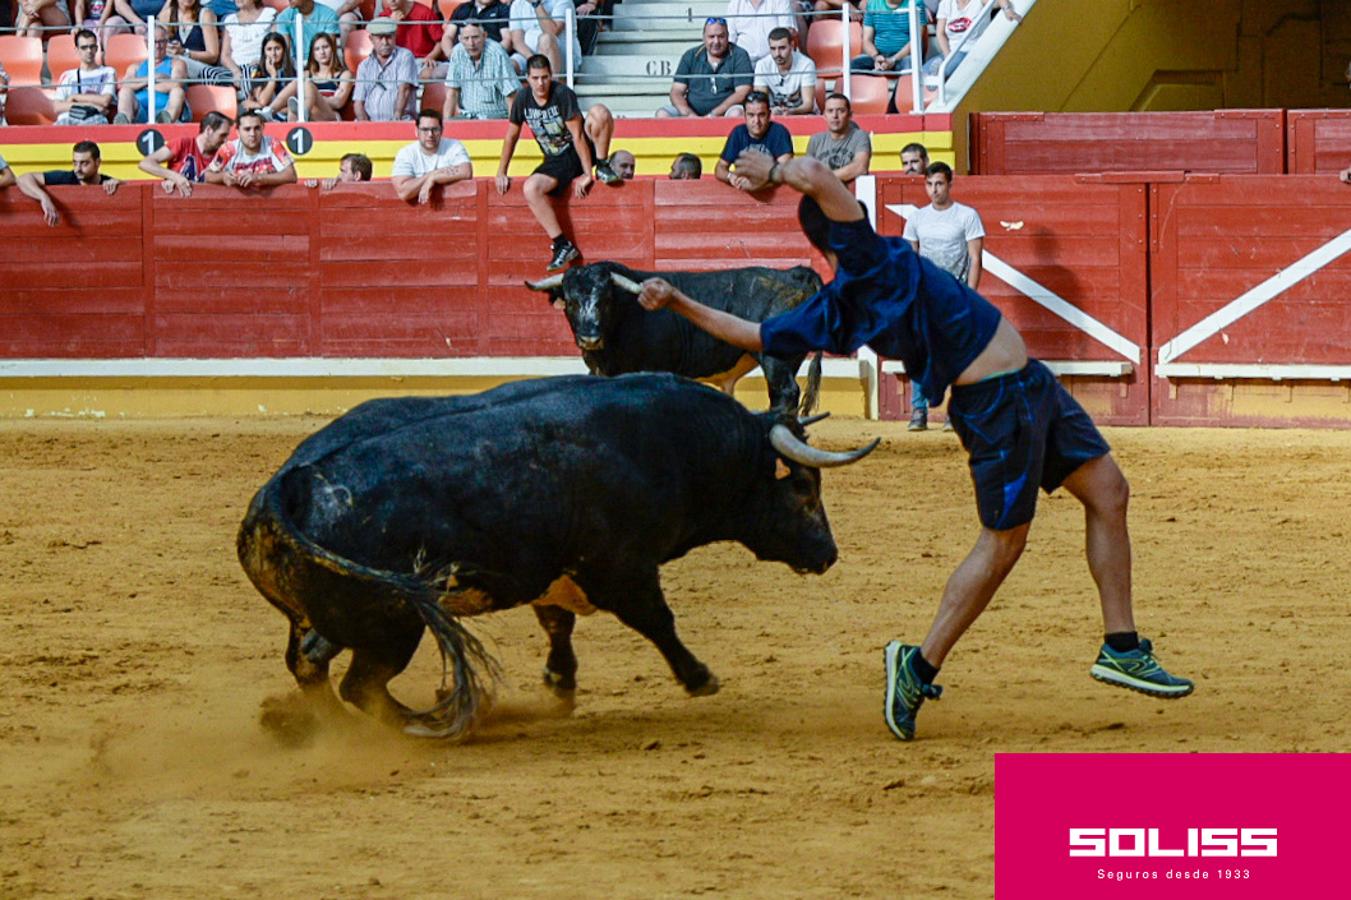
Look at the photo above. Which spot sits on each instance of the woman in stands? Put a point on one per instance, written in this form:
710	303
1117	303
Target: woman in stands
37	16
330	82
196	32
99	17
242	45
136	12
269	79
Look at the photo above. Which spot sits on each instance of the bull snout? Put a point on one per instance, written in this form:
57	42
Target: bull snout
817	558
590	342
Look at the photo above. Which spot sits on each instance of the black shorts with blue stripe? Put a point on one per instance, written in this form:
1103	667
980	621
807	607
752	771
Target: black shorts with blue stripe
1021	431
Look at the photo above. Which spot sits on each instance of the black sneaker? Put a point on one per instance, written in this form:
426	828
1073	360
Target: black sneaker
564	252
919	419
605	174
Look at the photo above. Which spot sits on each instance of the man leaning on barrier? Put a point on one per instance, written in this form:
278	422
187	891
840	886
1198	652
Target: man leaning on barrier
430	160
252	160
182	162
85	161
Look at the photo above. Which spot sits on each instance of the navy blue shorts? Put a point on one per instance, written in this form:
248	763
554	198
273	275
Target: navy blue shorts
1021	431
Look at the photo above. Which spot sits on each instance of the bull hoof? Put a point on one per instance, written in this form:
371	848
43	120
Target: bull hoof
707	689
564	687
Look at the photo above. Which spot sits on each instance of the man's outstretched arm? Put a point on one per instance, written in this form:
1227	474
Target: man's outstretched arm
806	176
658	293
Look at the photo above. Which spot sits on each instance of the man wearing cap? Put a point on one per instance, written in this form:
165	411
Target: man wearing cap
387	79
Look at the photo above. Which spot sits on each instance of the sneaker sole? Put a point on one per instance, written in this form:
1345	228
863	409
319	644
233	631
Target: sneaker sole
890	654
1119	679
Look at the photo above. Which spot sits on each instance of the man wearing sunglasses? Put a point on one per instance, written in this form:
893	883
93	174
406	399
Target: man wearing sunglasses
88	92
711	79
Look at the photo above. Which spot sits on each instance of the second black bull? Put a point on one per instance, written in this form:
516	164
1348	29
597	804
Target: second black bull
617	336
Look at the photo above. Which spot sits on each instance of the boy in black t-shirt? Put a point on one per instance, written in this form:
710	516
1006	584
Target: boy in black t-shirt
85	162
569	145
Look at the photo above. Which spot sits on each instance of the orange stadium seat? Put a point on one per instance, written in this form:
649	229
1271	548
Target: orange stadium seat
433	95
61	55
358	48
123	50
205	98
825	43
278	5
872	93
29	106
22	58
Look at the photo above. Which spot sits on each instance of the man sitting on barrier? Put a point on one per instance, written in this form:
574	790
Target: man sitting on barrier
182	162
430	160
1020	428
252	160
85	162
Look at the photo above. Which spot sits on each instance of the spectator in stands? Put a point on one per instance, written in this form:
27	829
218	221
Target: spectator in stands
137	12
843	146
951	235
195	31
430	160
570	145
756	135
789	77
182	162
6	174
330	83
624	164
34	16
241	46
886	35
419	31
87	94
493	15
85	162
749	23
711	79
252	160
170	105
353	168
591	22
4	93
99	16
914	159
387	79
956	19
537	26
271	78
348	13
481	82
831	9
686	167
316	17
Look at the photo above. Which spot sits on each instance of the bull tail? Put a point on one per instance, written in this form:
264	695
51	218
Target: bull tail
812	395
285	564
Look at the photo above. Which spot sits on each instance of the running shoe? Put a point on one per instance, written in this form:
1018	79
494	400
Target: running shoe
1138	670
905	691
919	419
605	174
564	253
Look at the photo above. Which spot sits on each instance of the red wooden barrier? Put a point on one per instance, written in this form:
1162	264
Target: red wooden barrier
1226	140
354	272
1250	283
1078	245
1318	141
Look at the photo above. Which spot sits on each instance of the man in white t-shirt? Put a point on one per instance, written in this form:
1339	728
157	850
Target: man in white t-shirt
789	77
91	87
431	160
539	26
749	23
951	235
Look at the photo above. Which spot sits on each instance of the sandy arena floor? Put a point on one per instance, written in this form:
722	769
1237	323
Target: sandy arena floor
134	656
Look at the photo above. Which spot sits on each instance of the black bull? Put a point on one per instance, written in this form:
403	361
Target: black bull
567	493
617	336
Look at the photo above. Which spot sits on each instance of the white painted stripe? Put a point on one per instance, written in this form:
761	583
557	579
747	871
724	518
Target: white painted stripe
1220	371
1040	294
1061	307
310	367
1108	368
1240	307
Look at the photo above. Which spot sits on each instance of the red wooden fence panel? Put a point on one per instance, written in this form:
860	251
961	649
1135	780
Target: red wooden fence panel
1227	140
1079	245
1318	141
1250	282
705	224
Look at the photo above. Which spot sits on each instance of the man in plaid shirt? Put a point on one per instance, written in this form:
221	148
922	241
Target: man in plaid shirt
481	81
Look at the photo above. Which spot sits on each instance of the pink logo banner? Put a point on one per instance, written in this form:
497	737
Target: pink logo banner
1172	825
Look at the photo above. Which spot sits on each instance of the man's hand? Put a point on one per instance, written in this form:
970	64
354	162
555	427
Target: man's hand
424	196
49	213
110	186
657	294
581	186
503	183
752	171
230	178
183	186
882	61
245	179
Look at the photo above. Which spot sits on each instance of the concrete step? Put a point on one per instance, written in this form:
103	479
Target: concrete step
634	43
660	15
632	66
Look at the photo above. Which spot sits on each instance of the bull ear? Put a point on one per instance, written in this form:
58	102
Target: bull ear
552	283
781	470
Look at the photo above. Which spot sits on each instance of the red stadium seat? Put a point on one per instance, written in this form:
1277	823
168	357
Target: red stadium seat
123	50
29	106
22	58
278	5
62	55
205	98
358	48
433	95
872	93
825	45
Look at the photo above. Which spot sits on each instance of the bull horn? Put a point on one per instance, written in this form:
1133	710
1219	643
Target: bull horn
552	283
799	451
627	284
807	421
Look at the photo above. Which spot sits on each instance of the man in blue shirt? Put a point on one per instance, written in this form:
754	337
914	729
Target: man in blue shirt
756	135
316	18
1020	428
